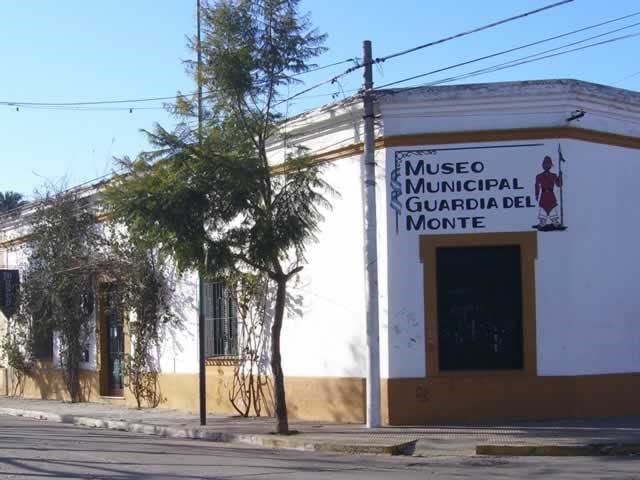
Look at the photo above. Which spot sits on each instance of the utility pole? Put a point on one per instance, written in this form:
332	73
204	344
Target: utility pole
201	354
371	246
199	78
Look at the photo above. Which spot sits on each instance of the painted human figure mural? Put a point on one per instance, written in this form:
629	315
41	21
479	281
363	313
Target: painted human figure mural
548	217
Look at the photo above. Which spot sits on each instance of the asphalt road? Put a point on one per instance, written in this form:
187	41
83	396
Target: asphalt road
31	449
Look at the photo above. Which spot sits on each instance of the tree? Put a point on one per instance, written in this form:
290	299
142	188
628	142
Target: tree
57	292
144	293
10	201
211	199
251	389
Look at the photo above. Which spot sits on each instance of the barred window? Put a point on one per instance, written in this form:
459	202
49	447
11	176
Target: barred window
480	308
43	344
220	320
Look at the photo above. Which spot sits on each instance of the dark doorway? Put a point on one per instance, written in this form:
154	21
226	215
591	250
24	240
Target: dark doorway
479	308
113	343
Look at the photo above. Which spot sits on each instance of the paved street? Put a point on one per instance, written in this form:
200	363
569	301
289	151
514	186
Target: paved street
31	449
431	440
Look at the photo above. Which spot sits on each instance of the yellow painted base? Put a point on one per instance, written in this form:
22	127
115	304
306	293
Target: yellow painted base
4	386
406	401
46	382
321	399
480	397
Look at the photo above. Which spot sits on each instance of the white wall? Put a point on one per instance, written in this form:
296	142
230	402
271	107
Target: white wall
324	332
327	336
588	309
587	306
179	349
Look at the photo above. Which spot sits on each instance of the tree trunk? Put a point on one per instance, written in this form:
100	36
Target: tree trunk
71	365
74	384
276	367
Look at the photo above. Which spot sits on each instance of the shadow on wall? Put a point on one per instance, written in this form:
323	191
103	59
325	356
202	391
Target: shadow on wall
46	382
184	301
243	384
251	389
245	381
144	387
15	382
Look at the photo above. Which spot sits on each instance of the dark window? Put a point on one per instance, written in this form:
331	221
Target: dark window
41	330
220	320
9	288
43	344
114	324
479	308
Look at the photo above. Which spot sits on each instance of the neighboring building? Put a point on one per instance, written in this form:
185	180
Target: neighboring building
507	289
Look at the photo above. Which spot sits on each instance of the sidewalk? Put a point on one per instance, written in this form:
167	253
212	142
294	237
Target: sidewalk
609	436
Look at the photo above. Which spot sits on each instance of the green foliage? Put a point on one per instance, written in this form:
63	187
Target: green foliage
13	351
211	200
13	348
215	212
251	390
144	292
58	283
10	201
141	380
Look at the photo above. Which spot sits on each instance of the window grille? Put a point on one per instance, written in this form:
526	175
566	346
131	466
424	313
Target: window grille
9	288
43	345
480	308
220	320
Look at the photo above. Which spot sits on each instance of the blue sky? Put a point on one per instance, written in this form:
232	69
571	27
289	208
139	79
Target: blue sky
76	50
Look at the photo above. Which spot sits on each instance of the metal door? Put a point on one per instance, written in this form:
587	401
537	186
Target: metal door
115	343
479	308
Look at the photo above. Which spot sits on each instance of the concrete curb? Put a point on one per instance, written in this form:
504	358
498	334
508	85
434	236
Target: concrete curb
293	442
594	450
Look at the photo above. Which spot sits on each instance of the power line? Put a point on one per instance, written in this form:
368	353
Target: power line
331	80
83	109
97	102
96	181
150	99
129	109
635	74
534	57
526	60
349	60
521	47
469	32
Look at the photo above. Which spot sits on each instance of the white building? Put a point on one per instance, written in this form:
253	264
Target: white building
507	289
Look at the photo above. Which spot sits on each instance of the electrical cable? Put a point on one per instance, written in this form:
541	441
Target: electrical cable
96	180
332	80
356	67
151	99
130	109
511	64
85	109
469	32
521	47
